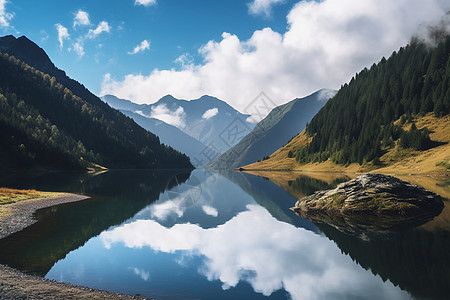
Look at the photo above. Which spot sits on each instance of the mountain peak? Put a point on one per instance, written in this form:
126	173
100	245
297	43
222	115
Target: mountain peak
6	41
27	51
326	94
167	99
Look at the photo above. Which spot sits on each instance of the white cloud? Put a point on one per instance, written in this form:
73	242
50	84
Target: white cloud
326	43
307	265
81	19
262	7
63	34
162	211
103	26
185	60
173	117
145	2
325	94
210	211
145	275
79	48
144	45
210	113
5	17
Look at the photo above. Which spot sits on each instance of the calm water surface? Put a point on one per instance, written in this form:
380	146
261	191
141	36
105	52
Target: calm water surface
219	236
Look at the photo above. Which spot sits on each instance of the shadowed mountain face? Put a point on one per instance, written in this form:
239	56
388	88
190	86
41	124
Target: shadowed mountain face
210	121
168	134
274	131
50	121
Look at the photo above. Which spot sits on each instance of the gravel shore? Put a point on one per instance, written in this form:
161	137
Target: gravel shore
17	285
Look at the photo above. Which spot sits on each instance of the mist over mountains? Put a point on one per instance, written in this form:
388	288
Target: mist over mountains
201	128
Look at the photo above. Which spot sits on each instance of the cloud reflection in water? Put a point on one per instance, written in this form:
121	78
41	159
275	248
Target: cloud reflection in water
268	254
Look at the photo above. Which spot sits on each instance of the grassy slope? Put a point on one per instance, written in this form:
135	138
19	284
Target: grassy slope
8	196
394	161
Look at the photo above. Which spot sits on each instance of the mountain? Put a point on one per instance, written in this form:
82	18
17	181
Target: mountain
122	104
209	120
168	134
274	131
27	51
395	115
47	125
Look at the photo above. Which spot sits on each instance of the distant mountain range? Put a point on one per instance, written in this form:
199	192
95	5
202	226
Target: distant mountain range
50	121
210	125
283	123
169	135
393	117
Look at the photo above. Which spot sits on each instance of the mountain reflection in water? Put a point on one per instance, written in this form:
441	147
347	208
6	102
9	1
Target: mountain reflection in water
221	236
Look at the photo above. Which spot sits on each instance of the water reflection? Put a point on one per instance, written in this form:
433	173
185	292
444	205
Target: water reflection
228	236
415	259
116	197
256	248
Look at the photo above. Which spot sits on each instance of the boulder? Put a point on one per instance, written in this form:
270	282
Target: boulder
371	202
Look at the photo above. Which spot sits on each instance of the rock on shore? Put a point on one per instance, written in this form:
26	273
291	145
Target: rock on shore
373	201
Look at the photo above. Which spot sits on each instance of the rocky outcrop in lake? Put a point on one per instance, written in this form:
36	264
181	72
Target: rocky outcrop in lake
370	205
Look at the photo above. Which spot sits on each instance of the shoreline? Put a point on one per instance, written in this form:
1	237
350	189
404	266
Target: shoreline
15	284
439	174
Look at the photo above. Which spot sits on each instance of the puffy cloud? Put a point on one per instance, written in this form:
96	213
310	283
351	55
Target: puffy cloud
185	60
326	43
307	265
210	113
173	117
144	45
145	2
103	26
210	211
81	19
262	7
162	211
63	34
5	17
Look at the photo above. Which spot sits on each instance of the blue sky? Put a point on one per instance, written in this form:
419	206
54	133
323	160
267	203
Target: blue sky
171	27
144	49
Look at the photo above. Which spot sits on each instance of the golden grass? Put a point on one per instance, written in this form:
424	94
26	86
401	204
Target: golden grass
396	161
280	160
8	196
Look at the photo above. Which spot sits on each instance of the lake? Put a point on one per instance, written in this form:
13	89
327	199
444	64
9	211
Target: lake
205	235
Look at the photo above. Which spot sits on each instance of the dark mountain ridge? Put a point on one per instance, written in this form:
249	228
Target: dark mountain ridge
46	124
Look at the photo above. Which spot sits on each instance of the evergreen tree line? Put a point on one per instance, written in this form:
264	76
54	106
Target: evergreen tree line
44	123
358	123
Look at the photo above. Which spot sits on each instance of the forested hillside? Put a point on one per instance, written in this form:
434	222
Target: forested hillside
282	123
44	124
360	121
393	117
